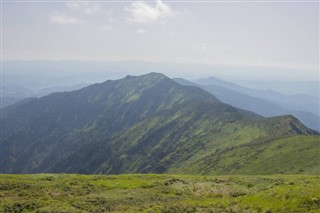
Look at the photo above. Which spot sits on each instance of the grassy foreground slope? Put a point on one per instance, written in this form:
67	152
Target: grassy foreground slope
159	193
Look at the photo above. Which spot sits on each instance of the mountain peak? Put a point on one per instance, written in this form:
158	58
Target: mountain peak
148	75
153	75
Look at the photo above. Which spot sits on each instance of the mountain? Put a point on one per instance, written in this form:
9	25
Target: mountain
286	87
13	94
142	124
232	94
296	102
238	99
261	158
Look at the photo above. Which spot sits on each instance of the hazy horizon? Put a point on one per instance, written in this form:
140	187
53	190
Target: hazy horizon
190	71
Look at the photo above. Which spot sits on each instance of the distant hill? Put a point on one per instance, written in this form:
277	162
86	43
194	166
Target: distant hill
241	97
144	124
13	94
297	102
286	87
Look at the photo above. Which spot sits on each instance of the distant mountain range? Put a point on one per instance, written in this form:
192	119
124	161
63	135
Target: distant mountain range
22	79
285	87
265	103
299	102
13	94
150	124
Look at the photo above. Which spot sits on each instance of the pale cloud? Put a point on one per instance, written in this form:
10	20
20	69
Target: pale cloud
74	8
142	12
64	19
86	7
110	20
73	5
91	9
106	27
141	31
171	34
204	48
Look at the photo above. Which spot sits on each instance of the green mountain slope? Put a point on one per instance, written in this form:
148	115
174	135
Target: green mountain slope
178	143
139	124
42	131
288	155
238	97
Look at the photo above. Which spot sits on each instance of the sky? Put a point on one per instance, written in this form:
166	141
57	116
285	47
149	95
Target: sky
282	34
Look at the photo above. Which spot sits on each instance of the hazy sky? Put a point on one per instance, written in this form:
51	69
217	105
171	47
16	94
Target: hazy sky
275	34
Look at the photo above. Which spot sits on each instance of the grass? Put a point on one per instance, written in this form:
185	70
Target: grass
287	155
159	193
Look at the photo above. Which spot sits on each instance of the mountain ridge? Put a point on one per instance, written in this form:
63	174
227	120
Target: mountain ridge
298	102
140	124
258	105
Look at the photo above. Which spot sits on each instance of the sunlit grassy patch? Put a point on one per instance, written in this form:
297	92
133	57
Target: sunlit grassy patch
159	193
